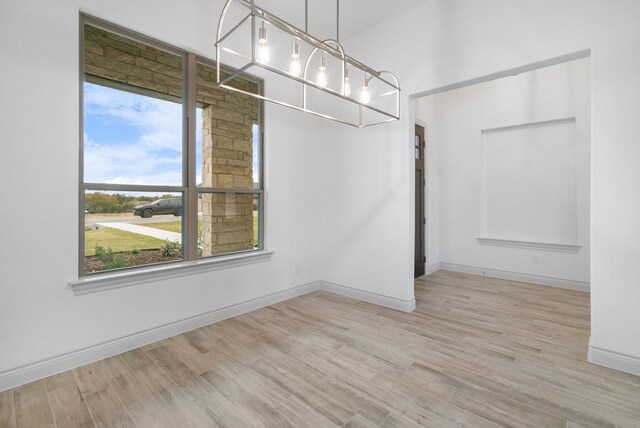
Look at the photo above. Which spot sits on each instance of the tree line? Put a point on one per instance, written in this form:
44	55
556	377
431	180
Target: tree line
105	203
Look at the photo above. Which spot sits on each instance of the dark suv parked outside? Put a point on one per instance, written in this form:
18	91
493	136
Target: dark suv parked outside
161	206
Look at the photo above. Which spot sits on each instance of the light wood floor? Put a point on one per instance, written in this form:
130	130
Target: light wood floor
477	352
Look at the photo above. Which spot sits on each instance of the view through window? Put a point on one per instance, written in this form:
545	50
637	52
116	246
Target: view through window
141	204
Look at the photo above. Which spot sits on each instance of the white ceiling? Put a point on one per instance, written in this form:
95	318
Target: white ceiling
355	15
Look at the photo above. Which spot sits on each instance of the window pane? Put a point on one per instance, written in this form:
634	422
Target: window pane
257	157
199	176
132	111
133	125
228	223
126	229
228	139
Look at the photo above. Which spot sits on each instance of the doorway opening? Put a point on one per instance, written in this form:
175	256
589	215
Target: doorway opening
509	174
420	258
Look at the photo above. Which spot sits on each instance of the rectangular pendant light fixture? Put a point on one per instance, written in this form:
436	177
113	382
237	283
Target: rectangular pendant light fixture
326	77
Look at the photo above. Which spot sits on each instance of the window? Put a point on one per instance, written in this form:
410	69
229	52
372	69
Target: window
171	164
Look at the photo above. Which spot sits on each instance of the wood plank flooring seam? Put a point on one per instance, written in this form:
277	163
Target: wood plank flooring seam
115	391
49	401
88	407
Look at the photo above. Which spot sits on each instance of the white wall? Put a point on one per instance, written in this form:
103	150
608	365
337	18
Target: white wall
472	190
39	315
341	204
366	241
452	41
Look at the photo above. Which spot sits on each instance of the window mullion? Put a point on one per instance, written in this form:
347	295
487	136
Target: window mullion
190	232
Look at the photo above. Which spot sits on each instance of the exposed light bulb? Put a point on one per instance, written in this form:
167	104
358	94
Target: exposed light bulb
365	97
322	73
294	67
346	88
263	56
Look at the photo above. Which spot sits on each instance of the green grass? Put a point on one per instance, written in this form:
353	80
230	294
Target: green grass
121	241
176	226
118	240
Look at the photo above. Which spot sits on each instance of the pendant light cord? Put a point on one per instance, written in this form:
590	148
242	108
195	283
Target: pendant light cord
338	21
306	18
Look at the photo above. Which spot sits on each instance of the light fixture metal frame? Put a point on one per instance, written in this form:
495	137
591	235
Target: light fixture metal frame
336	51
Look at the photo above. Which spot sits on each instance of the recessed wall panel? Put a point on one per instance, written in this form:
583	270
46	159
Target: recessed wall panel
529	182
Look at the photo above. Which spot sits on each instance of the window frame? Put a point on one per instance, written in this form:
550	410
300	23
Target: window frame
188	188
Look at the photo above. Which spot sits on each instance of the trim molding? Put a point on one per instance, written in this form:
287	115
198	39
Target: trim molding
570	119
432	268
613	360
515	276
67	361
365	296
531	245
111	280
506	73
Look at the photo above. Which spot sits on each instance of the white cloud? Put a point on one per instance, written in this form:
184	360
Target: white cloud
153	156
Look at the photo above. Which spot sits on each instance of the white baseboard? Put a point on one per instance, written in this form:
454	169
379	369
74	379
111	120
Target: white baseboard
365	296
614	360
50	366
515	276
432	268
38	370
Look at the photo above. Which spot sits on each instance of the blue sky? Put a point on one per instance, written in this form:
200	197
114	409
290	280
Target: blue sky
134	139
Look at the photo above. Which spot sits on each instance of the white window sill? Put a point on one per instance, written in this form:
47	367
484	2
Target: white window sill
109	281
531	245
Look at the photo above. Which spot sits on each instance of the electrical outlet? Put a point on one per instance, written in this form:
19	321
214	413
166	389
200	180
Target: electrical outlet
297	269
536	260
